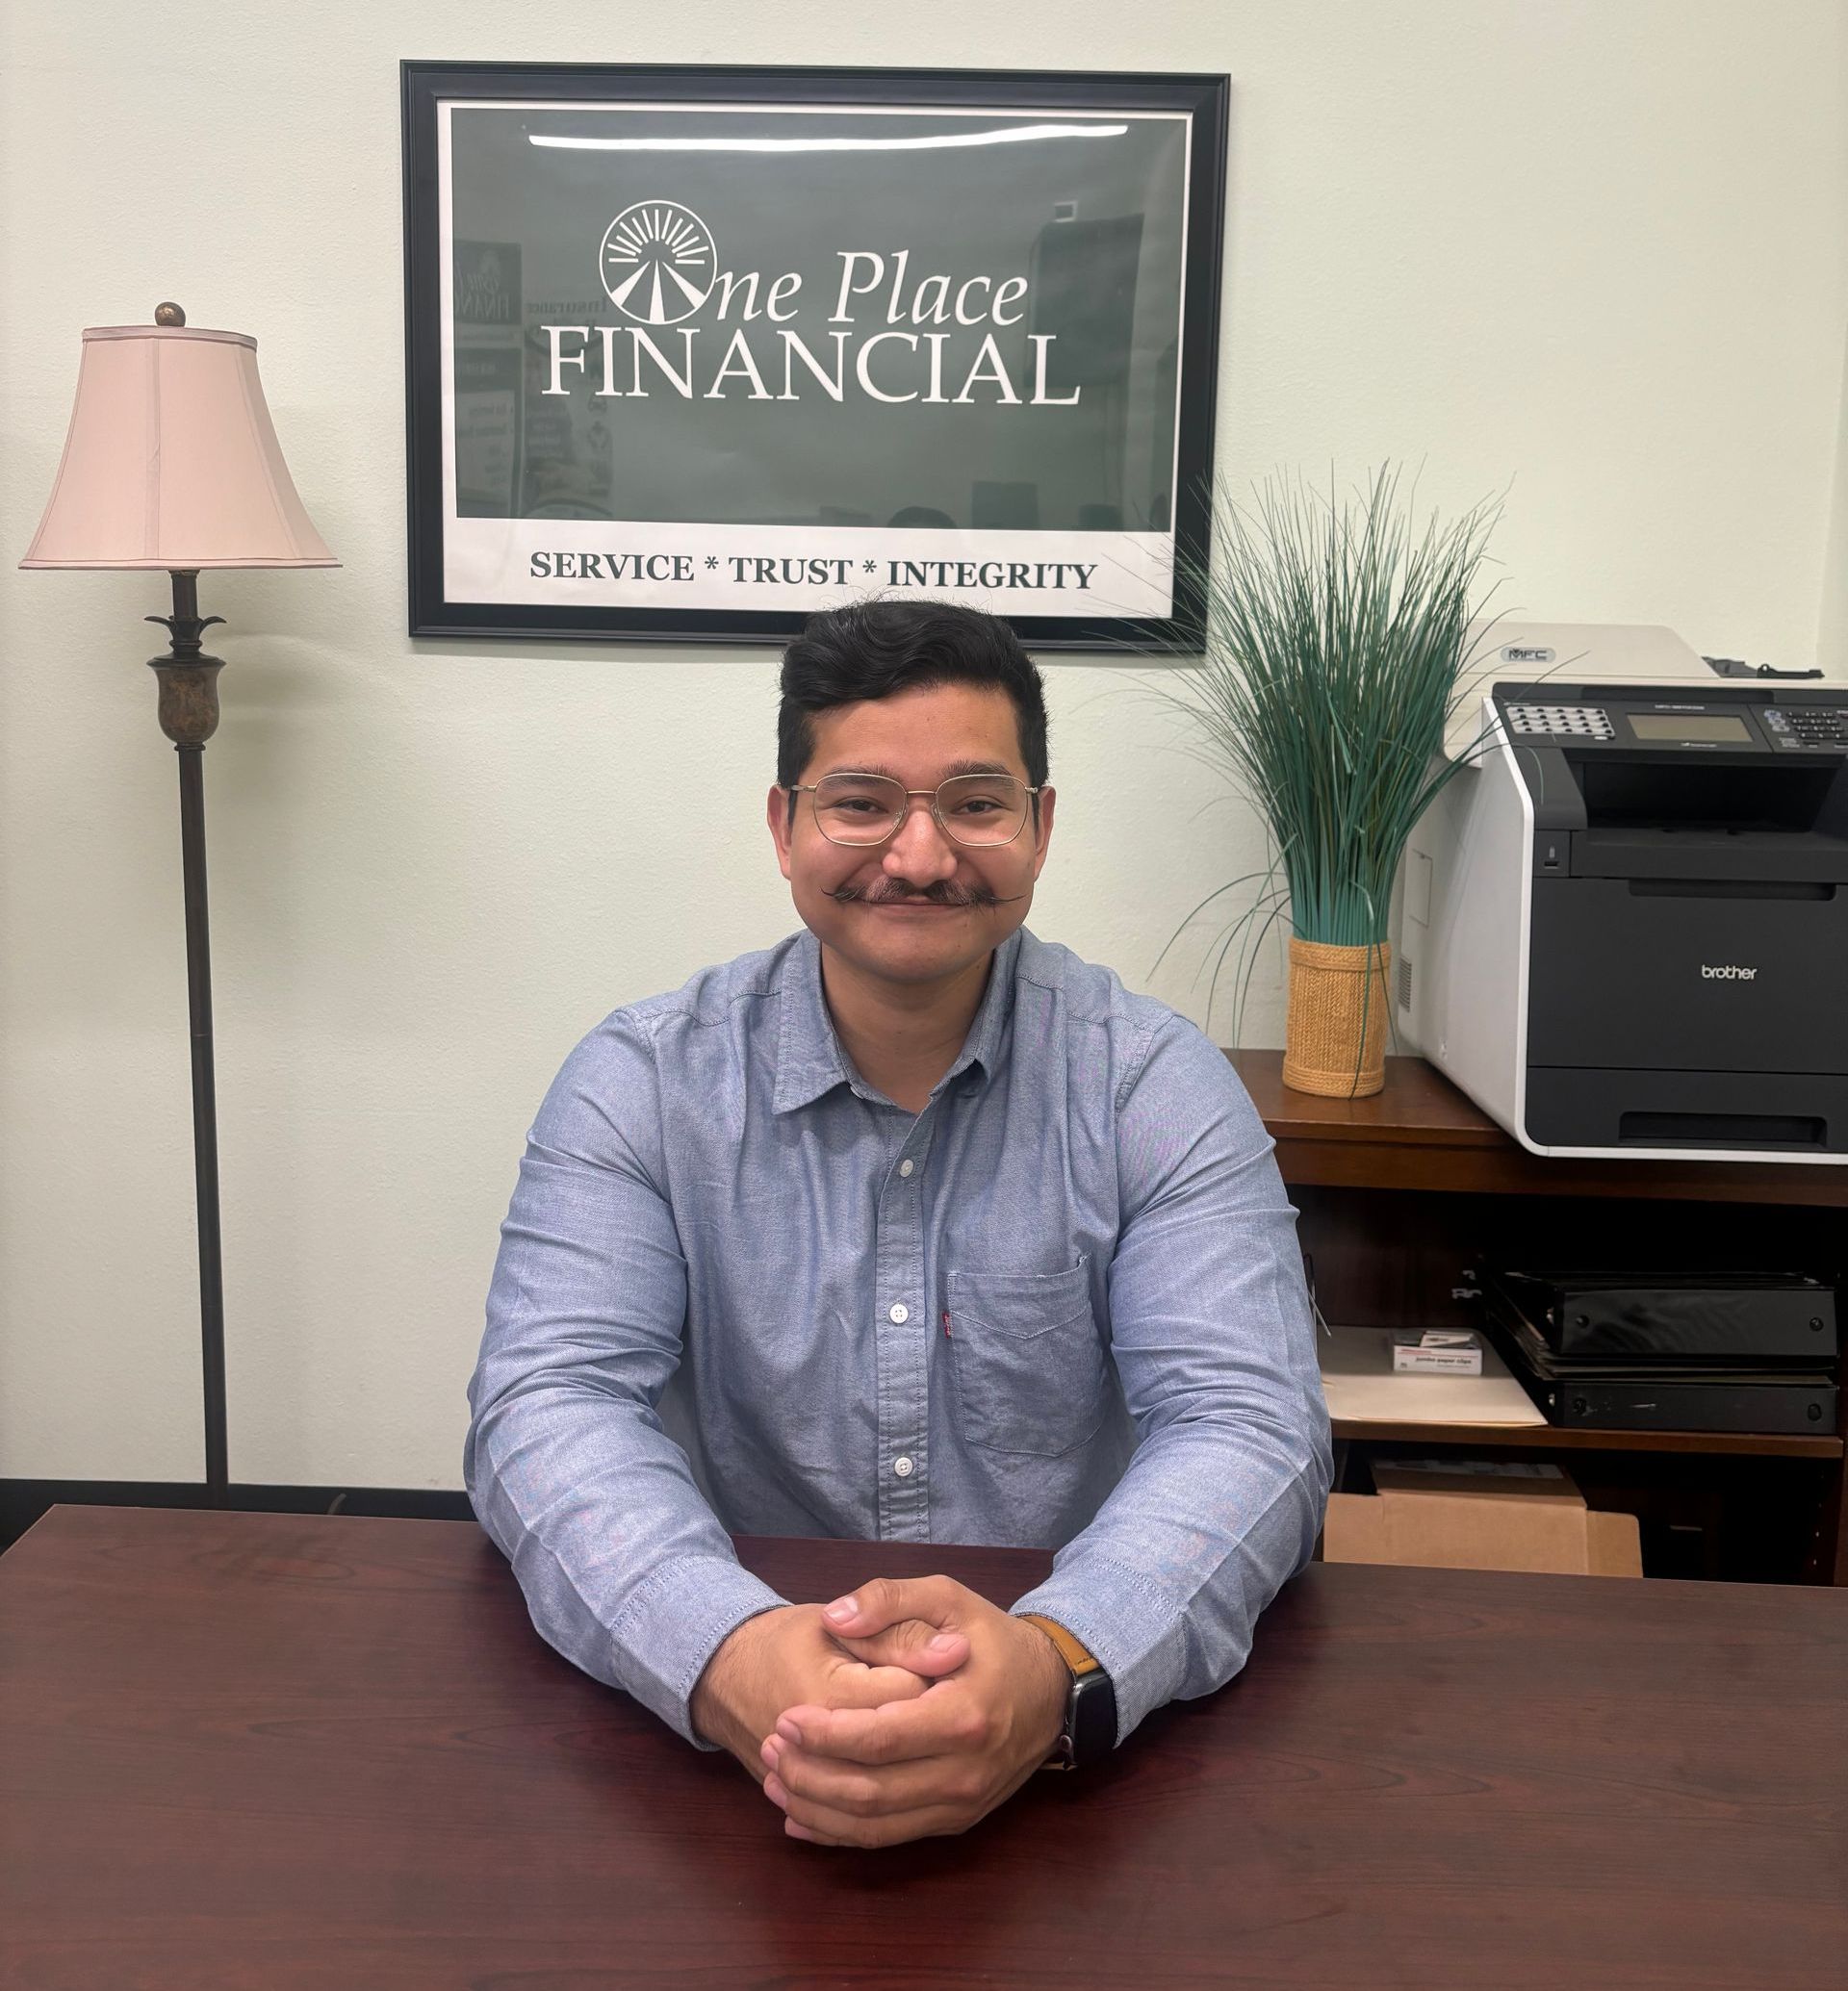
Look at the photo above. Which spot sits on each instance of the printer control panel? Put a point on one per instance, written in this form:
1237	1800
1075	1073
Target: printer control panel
1574	721
1820	729
1623	718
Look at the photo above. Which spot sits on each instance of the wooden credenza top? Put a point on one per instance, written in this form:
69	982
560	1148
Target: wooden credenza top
1420	1133
1417	1106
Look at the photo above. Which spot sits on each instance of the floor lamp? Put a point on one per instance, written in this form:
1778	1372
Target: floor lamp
171	462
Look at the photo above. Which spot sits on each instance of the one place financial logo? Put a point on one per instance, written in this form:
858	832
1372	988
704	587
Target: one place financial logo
877	326
658	262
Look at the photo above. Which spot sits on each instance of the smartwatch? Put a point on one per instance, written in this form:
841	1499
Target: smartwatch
1089	1733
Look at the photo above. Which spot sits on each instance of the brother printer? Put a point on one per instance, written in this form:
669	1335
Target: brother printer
1624	927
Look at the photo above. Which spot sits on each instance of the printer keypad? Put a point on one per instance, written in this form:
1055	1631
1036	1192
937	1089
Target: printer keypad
1575	722
1815	727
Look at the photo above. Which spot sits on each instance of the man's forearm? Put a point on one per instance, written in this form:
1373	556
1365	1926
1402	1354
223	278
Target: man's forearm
1165	1591
625	1568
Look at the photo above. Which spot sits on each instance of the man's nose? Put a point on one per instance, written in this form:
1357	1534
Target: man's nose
919	851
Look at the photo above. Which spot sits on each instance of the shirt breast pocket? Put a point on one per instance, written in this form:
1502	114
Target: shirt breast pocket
1029	1368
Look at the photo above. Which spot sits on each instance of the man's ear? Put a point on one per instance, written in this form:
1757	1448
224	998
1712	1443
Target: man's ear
1046	798
778	815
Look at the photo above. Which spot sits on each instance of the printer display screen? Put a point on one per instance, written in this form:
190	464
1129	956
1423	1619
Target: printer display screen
1671	725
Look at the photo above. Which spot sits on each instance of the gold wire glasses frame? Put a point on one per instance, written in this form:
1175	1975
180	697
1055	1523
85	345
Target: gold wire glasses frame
865	810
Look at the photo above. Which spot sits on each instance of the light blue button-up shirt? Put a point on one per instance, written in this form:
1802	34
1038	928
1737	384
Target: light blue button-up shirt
740	1289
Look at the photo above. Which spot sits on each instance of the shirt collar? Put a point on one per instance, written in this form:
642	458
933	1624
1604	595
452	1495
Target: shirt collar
809	1059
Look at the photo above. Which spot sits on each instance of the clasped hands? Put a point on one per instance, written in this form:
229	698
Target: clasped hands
911	1715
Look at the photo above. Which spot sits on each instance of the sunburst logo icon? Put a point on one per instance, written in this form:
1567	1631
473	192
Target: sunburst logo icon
658	262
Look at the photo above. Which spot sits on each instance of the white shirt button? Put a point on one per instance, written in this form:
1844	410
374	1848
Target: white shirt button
902	1468
905	1167
900	1313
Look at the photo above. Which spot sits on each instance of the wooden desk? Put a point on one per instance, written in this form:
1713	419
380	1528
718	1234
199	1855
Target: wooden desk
329	1753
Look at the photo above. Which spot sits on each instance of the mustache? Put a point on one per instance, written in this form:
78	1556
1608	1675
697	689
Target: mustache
945	893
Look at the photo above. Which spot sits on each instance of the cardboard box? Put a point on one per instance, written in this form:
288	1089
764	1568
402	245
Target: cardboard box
1468	1514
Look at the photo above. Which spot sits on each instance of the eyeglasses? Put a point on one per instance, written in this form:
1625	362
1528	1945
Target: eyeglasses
984	810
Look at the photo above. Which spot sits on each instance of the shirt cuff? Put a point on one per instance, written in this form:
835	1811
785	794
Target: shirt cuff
1126	1625
672	1626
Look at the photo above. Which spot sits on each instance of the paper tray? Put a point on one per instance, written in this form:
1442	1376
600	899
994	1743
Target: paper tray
1360	1386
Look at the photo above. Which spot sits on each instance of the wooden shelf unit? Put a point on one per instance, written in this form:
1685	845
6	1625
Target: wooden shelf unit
1402	1192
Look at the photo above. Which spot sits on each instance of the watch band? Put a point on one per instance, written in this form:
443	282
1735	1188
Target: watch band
1089	1729
1075	1655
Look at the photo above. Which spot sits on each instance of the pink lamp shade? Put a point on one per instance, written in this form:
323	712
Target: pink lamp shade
171	460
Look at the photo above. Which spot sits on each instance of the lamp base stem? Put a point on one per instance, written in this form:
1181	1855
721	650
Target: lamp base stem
189	713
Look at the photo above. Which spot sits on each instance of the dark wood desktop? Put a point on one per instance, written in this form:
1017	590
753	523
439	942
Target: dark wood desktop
283	1751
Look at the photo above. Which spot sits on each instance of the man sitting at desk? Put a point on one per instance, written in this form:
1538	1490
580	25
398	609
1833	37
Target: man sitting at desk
913	1228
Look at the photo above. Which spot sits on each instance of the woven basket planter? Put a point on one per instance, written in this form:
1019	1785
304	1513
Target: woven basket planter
1330	990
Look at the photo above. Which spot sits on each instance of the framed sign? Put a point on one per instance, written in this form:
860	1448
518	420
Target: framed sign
691	353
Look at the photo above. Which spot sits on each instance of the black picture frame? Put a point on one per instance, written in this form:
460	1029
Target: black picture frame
1203	100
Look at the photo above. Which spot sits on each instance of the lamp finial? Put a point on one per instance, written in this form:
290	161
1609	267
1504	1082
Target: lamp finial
168	315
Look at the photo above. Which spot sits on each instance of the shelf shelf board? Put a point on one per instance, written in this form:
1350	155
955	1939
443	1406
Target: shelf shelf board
1554	1437
1421	1133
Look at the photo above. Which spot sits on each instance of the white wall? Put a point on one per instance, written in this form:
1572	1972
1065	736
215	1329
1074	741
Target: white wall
1593	246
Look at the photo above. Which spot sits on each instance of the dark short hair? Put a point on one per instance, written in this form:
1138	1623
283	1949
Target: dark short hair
871	650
